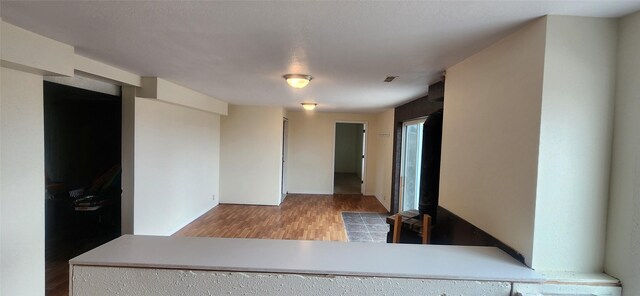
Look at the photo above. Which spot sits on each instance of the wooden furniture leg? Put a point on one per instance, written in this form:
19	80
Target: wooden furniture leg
397	226
426	228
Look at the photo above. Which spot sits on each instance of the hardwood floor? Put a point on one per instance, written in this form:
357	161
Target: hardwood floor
57	278
299	217
57	258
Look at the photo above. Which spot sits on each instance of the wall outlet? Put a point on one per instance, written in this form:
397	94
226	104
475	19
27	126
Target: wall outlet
213	197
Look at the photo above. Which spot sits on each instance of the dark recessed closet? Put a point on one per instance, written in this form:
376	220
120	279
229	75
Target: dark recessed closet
82	130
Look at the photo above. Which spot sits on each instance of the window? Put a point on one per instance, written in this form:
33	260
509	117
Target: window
411	164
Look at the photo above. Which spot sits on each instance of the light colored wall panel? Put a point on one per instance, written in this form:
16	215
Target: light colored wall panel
490	137
22	179
575	140
383	135
251	155
623	223
87	82
28	51
167	91
102	70
177	156
311	149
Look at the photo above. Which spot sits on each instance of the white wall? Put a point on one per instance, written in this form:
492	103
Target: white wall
167	91
251	155
22	155
103	71
22	179
623	230
177	160
490	137
526	140
29	52
575	140
311	140
383	137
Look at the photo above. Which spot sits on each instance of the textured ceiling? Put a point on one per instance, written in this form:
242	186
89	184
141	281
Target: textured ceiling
238	51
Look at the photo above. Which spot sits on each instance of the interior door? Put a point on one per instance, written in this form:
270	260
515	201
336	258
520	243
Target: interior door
412	132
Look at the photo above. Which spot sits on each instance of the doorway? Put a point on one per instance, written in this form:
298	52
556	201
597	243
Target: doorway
349	158
283	178
82	137
410	167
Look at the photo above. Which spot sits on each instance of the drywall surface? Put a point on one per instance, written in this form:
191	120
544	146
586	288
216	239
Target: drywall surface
177	156
86	81
490	137
128	158
22	179
105	71
27	51
138	281
623	229
251	155
311	151
164	90
383	137
347	148
575	140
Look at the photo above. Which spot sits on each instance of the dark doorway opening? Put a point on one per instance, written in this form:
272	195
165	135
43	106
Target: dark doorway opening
82	132
349	158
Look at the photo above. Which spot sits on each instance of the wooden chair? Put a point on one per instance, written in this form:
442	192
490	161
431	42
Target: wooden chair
426	228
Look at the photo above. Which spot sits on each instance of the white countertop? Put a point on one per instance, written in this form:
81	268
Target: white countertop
310	257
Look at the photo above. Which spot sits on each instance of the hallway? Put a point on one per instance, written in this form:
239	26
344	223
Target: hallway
346	183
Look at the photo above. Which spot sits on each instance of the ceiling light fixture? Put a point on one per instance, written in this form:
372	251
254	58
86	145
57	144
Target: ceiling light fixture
297	80
309	106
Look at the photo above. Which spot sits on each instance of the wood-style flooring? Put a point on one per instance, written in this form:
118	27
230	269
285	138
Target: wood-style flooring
57	261
299	217
346	183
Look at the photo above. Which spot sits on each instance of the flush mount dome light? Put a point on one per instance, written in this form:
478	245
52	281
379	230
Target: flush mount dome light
309	106
297	80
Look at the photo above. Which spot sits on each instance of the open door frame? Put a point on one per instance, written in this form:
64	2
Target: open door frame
283	177
364	151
